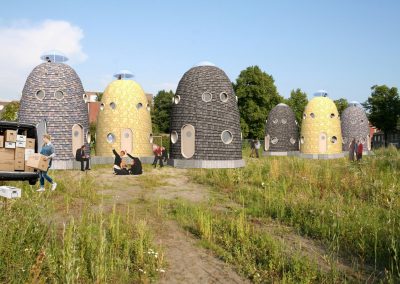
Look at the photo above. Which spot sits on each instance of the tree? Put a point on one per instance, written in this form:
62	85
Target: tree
341	105
10	111
99	96
162	111
383	106
297	101
257	95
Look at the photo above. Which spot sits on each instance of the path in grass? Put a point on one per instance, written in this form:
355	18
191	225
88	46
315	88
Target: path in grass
187	261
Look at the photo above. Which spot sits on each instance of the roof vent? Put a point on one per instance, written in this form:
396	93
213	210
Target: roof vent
321	93
205	63
123	74
54	56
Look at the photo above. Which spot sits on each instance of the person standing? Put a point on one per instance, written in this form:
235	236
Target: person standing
257	146
49	153
157	156
164	154
82	157
351	149
359	151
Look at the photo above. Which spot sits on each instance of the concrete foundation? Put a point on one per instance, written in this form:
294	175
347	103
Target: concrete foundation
281	154
208	164
96	160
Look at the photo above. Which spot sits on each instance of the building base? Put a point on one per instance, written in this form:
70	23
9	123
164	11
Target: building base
96	160
281	154
206	164
322	156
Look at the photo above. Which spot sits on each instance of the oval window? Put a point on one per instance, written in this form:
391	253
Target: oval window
312	115
333	139
101	106
292	140
332	115
151	138
223	96
40	95
113	105
76	133
226	137
206	97
274	140
174	137
275	120
88	137
284	121
176	99
110	138
139	106
302	140
304	116
59	95
148	107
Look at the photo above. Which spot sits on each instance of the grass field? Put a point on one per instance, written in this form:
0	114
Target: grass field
281	220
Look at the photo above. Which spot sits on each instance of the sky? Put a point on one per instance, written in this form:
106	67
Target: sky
343	47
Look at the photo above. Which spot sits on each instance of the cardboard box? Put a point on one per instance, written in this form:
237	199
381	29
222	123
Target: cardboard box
19	154
19	165
21	138
20	144
1	141
29	169
9	145
7	154
28	153
37	161
7	165
10	136
30	143
10	192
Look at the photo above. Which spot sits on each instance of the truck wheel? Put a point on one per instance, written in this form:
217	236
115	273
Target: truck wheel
32	181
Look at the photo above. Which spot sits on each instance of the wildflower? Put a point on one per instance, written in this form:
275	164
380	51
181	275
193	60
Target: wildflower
141	270
162	270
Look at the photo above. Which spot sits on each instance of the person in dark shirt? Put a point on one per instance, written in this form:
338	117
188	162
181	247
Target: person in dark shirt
119	165
164	154
136	166
82	157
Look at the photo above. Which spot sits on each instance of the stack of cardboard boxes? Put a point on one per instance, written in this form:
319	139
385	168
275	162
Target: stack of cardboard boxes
15	150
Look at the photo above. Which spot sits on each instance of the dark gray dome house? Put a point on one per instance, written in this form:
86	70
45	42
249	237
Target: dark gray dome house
205	121
281	132
54	93
355	125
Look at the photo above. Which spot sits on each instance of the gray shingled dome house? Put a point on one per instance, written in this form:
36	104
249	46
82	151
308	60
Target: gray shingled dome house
53	92
355	125
205	121
281	132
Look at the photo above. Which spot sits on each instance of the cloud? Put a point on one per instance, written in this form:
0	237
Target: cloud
23	43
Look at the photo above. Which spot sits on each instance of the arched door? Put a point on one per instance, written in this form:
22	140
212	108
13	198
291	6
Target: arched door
126	140
188	141
77	138
267	142
322	142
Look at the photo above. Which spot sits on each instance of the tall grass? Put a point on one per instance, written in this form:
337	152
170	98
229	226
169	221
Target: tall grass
353	207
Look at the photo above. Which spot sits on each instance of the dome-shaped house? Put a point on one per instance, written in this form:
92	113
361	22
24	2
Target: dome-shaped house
281	131
54	93
205	121
355	126
321	135
124	121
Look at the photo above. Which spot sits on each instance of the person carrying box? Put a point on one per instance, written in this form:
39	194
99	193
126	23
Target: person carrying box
49	153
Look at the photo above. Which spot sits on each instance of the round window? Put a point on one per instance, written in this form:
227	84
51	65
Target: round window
176	99
312	115
76	133
188	134
223	96
148	107
113	105
292	140
334	139
139	106
302	140
101	106
284	121
226	137
274	140
275	120
110	138
206	97
126	135
304	116
174	137
332	115
40	95
59	95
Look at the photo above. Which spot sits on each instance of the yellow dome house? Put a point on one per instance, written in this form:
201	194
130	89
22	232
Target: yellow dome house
124	121
321	135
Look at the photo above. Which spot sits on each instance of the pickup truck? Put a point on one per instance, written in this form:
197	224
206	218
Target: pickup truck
31	132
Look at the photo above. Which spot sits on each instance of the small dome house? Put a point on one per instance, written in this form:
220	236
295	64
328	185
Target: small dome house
205	121
281	131
53	93
124	121
355	126
321	136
